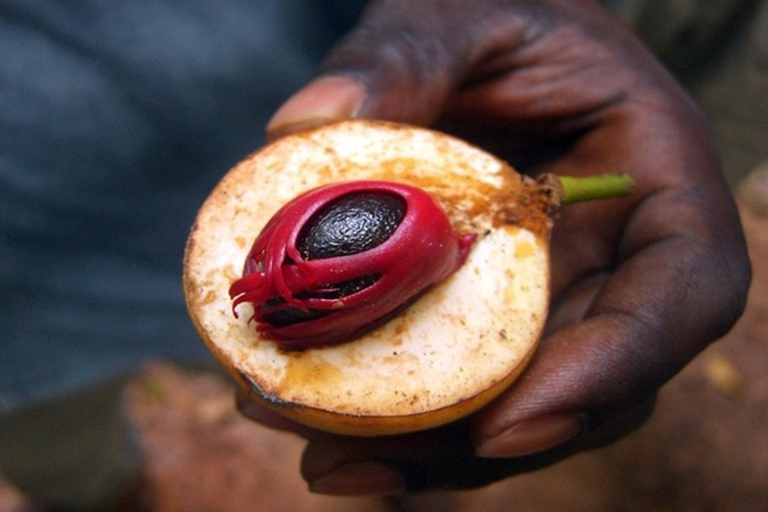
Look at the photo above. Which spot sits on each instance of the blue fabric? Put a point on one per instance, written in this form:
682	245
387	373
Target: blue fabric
116	119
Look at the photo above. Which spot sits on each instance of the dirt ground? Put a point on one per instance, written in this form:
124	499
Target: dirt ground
705	448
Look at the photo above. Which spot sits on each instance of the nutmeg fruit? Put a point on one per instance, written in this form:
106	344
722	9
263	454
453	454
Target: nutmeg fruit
456	346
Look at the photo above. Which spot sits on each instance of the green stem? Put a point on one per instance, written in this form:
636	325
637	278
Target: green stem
587	188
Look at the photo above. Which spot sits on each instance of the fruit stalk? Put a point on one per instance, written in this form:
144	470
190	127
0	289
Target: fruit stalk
573	189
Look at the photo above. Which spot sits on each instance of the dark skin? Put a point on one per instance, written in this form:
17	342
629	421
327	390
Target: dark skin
640	285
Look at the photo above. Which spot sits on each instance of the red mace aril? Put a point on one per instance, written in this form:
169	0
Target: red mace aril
336	261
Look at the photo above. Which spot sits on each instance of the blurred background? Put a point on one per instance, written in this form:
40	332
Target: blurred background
705	448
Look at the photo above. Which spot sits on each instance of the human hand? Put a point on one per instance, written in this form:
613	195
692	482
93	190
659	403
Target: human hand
639	285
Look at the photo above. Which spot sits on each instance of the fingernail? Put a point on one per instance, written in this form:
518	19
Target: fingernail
532	436
359	479
323	100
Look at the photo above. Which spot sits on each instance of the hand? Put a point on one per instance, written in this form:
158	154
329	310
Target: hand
640	286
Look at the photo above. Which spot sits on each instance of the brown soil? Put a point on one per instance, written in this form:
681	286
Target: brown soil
705	448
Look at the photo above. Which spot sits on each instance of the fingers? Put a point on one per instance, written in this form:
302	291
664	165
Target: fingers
622	325
401	62
443	458
268	418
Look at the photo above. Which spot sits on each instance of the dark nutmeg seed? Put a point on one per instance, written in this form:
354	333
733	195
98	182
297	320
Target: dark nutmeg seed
351	224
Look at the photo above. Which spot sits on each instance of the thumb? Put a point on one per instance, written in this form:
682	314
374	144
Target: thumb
400	63
325	99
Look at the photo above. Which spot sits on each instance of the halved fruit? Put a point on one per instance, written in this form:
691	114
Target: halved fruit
449	353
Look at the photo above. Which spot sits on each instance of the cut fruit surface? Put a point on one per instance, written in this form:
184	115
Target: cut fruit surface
449	353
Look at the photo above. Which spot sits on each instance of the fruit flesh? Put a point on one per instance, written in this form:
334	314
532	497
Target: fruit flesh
401	365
